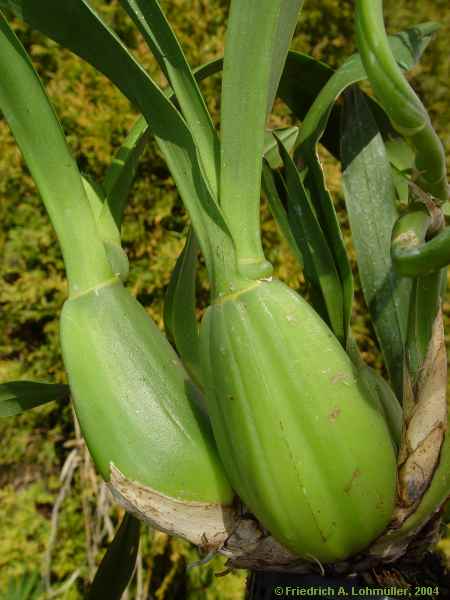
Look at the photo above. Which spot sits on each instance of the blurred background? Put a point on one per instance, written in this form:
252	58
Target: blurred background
55	515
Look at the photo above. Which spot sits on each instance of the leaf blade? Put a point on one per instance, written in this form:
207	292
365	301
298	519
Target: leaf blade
117	566
93	41
370	199
160	38
180	321
40	137
17	397
278	211
320	268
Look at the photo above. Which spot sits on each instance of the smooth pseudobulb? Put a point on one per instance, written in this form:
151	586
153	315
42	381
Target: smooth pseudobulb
304	445
136	406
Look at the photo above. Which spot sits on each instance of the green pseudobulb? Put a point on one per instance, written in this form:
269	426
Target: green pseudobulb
136	406
304	445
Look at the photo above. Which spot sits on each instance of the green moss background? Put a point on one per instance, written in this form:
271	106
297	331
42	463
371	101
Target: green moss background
34	447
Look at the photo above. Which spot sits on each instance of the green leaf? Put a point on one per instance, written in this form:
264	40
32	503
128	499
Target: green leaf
120	174
315	185
107	228
276	205
413	256
180	320
117	566
97	44
154	27
304	78
424	307
286	24
122	170
27	586
41	139
258	36
407	47
370	200
287	135
320	268
17	397
401	157
91	39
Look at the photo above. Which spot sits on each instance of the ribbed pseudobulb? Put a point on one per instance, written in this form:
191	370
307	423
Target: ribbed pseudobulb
138	410
304	445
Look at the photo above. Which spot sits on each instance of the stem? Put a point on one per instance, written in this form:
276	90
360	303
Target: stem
41	140
410	118
413	257
404	108
258	37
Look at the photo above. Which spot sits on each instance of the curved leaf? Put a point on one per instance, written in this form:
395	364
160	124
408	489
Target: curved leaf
157	32
117	566
93	41
180	319
276	205
320	268
287	135
370	200
305	84
406	46
40	137
122	170
27	586
17	397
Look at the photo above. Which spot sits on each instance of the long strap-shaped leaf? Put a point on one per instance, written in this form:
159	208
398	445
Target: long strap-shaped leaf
407	48
40	137
258	36
157	32
122	170
410	118
271	149
95	42
27	586
19	396
270	187
117	566
425	261
370	201
303	79
180	320
320	268
120	174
